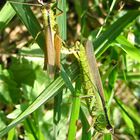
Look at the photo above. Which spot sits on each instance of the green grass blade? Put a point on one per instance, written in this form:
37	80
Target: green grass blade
61	19
101	43
75	104
57	108
67	80
48	93
29	20
134	77
107	137
131	50
6	15
132	114
12	134
86	133
106	19
75	111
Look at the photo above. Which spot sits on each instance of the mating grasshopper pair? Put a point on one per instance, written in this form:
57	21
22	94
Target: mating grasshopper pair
86	58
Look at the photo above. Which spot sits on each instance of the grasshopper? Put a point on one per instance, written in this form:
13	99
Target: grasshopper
53	42
93	86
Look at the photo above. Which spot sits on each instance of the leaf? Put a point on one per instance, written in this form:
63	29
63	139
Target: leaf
47	94
6	15
23	71
131	50
8	87
75	111
29	20
12	135
61	19
131	113
107	137
114	30
86	132
2	120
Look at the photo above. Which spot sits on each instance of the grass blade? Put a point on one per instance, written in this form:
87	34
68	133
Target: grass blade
6	15
101	43
74	112
29	20
131	50
45	95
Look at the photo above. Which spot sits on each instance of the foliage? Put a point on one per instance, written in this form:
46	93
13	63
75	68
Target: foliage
34	107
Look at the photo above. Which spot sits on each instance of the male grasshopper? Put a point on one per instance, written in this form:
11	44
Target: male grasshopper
52	39
53	42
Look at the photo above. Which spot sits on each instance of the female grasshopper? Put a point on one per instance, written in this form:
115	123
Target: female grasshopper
92	87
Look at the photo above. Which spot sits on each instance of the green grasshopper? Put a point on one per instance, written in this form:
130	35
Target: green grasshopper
93	86
52	40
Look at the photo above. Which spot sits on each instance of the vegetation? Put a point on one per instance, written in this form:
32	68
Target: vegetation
35	107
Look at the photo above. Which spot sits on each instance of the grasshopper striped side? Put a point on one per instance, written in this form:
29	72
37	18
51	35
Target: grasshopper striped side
92	88
86	82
